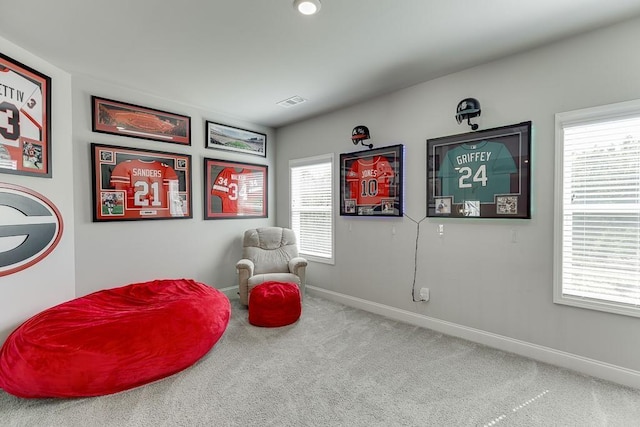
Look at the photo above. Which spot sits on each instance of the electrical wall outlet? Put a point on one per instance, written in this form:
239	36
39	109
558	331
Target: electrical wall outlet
424	294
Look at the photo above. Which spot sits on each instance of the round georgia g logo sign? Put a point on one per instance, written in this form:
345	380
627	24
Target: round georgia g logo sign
30	227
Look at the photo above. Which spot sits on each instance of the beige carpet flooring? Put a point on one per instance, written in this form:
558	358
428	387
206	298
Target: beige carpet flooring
339	366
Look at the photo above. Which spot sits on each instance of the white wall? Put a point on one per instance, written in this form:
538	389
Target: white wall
93	256
118	253
52	280
478	278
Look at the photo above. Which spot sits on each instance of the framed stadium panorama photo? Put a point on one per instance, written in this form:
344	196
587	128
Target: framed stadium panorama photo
25	120
120	118
483	174
371	182
223	137
234	190
134	184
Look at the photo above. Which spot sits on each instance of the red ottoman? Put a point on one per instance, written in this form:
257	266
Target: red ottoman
273	304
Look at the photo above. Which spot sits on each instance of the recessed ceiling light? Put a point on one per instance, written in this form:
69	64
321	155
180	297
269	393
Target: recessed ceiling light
307	7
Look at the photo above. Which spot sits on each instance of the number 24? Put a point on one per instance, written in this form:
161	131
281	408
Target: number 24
466	172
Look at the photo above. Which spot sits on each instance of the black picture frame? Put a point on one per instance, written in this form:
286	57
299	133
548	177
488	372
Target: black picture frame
135	121
234	189
224	137
25	120
134	184
483	174
372	182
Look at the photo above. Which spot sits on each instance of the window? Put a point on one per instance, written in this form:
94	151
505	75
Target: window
311	184
597	210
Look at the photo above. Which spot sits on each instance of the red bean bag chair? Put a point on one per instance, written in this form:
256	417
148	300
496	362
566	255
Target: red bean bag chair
273	304
113	340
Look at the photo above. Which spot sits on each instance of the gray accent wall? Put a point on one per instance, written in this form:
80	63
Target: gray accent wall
478	277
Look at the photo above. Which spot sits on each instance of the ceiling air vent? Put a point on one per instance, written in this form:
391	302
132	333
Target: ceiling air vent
290	102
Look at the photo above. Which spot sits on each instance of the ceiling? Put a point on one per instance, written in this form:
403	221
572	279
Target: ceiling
239	58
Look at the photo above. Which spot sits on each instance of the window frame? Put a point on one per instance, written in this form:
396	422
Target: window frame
308	161
583	116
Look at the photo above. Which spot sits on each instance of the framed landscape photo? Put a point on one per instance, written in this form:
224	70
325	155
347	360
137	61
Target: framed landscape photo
25	120
223	137
483	174
135	184
371	182
234	190
121	118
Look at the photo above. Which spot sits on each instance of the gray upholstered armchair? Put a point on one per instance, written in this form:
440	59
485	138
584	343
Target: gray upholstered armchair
269	253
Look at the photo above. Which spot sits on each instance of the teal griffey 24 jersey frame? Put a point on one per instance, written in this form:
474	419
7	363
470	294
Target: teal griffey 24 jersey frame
484	174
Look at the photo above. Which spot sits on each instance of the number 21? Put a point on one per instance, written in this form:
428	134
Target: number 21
142	193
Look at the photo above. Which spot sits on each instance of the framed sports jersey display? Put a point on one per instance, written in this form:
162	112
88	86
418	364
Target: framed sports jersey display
121	118
234	190
223	137
371	182
25	120
483	174
135	184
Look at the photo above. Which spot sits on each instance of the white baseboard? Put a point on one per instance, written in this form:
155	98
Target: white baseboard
584	365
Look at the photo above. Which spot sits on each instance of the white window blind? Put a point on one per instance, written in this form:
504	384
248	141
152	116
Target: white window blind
599	219
312	206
